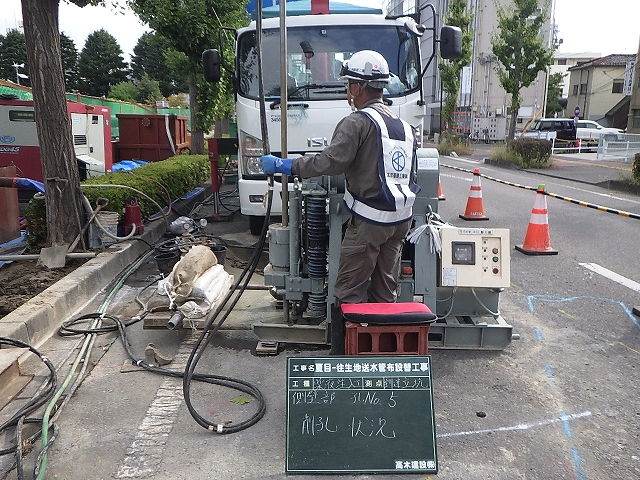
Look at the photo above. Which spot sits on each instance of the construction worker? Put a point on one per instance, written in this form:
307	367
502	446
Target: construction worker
376	152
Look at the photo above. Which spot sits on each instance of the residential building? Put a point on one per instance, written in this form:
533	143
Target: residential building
602	89
563	61
633	121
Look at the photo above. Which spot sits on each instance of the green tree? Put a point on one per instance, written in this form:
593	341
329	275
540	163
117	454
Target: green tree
101	64
150	56
149	90
192	26
13	51
69	63
554	93
457	16
124	91
520	48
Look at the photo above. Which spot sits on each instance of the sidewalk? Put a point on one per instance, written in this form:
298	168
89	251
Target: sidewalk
577	167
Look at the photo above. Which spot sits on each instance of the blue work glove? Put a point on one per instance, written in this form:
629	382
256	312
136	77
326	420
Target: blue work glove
272	164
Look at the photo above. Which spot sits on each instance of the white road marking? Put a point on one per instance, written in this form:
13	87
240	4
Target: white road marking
605	272
147	449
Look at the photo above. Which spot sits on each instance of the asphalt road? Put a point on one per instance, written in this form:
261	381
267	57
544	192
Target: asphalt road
559	403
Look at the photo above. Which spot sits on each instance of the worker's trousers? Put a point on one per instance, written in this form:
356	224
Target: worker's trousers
370	262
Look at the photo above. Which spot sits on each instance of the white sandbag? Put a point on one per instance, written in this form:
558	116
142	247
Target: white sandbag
203	281
197	261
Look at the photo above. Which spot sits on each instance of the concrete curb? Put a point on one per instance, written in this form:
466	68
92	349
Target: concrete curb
39	318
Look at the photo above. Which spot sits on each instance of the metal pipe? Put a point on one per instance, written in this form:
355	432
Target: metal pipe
31	257
284	108
175	321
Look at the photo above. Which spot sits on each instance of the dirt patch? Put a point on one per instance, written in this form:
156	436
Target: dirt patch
22	280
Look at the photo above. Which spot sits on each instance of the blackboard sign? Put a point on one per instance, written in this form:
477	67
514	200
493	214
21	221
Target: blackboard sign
360	414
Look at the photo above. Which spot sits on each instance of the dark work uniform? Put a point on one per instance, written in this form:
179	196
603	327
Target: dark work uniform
379	197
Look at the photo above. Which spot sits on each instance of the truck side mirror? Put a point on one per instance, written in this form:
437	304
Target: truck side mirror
450	42
211	65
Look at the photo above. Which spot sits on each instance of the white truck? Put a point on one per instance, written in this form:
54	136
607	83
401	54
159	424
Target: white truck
316	47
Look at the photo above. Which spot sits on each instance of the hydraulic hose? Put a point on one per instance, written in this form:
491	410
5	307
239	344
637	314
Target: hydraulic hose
209	330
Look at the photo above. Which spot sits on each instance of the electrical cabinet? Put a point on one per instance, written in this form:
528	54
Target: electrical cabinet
475	257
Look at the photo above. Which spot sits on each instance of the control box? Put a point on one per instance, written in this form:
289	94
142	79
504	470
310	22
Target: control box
475	257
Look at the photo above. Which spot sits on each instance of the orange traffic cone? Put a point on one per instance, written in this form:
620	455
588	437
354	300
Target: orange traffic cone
440	194
537	241
475	208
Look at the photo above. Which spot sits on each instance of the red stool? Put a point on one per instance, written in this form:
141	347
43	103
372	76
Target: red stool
386	328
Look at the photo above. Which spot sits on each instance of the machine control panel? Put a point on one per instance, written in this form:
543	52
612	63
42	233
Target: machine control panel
475	257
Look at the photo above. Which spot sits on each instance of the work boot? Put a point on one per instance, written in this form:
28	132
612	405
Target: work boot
337	331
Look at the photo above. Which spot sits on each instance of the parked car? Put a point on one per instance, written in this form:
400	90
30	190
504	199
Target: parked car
550	128
590	130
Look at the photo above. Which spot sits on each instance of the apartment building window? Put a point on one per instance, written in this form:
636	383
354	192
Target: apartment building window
575	90
562	61
618	84
583	89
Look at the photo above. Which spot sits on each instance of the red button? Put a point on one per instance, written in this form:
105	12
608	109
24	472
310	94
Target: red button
407	271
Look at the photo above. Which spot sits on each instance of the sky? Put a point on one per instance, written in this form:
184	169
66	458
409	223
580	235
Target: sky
598	26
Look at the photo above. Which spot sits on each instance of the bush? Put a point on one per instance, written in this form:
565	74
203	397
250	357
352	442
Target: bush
636	168
454	142
534	152
163	181
502	153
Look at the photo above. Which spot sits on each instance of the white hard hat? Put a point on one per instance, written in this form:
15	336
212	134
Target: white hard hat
367	66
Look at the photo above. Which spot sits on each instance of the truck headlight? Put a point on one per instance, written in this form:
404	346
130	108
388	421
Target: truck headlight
252	150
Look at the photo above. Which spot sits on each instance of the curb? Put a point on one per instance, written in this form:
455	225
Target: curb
38	319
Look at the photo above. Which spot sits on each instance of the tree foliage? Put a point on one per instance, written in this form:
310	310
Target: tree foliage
13	50
101	64
69	63
457	16
554	93
191	26
150	56
124	91
520	48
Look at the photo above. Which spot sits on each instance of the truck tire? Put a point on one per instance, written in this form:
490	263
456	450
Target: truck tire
255	224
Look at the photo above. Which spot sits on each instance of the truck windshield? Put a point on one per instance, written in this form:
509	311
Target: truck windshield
315	55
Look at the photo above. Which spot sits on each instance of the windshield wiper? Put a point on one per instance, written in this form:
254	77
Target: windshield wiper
295	91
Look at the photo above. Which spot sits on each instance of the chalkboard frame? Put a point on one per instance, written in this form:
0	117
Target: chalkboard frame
345	415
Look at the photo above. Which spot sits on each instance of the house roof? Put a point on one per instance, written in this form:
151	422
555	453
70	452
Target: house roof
613	60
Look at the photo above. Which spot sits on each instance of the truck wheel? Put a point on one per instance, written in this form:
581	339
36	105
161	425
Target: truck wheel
255	224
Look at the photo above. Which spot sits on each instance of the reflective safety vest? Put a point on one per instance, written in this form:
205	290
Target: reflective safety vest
393	204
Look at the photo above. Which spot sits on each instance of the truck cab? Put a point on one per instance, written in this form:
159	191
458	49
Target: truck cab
317	45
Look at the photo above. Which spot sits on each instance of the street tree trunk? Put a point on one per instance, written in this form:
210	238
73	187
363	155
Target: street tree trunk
63	196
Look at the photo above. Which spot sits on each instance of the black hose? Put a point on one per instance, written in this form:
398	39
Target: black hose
209	330
20	417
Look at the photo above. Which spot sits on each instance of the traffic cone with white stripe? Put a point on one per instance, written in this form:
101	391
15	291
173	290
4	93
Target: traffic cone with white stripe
440	194
537	240
475	208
